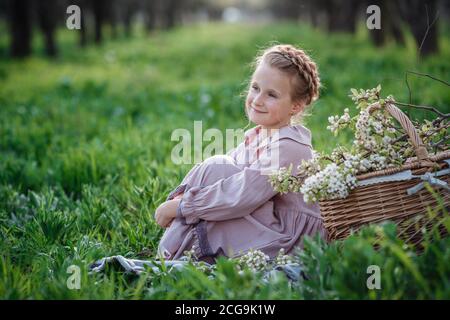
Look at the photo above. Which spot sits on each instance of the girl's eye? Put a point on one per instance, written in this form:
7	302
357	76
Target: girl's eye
272	95
254	87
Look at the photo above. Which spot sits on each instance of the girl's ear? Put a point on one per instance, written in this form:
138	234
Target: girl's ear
298	107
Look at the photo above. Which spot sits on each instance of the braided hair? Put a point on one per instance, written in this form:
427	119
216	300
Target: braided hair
295	62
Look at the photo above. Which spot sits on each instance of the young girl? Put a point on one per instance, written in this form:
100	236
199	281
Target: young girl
226	204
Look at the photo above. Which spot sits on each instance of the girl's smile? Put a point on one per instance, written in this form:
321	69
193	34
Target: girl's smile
256	110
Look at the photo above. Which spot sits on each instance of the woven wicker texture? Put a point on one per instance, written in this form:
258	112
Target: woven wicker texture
389	200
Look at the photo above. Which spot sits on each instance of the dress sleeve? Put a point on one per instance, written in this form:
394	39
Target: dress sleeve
242	193
232	153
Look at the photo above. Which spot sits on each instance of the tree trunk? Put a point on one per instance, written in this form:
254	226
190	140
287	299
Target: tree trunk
313	14
84	8
99	16
112	13
395	22
419	15
127	22
153	11
83	31
47	21
378	36
20	28
170	13
151	19
341	15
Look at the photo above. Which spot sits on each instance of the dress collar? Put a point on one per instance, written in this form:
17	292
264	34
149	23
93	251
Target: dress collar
297	132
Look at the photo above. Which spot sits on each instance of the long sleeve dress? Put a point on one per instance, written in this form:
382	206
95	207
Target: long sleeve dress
229	206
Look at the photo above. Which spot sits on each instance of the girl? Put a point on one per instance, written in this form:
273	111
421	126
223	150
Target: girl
226	204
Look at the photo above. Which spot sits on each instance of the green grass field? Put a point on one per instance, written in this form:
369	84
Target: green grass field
85	159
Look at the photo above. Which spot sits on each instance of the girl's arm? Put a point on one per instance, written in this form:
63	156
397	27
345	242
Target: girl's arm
243	192
232	153
166	212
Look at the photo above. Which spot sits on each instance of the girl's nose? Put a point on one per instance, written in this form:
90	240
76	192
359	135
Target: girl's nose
258	100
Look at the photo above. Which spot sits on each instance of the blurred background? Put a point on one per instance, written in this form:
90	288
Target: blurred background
113	19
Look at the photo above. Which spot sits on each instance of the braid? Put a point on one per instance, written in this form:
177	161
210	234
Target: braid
304	67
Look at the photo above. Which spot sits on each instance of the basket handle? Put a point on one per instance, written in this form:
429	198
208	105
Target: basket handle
419	147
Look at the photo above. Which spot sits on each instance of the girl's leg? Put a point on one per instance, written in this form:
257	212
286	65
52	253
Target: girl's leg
206	173
177	238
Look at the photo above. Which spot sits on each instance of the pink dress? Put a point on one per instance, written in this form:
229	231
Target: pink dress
229	206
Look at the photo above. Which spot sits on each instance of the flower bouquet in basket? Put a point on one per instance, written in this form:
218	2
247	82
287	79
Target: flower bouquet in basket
382	175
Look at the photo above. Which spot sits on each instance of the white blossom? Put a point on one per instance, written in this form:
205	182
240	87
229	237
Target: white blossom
375	147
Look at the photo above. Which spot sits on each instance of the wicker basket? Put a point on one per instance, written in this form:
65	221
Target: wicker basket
381	201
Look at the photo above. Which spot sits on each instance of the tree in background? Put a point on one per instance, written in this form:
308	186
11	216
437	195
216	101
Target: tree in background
287	9
342	15
397	17
98	8
48	17
421	17
391	25
19	18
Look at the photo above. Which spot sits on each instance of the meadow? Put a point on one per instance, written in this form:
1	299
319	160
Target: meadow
85	159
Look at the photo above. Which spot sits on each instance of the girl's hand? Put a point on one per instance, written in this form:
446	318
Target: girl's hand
166	212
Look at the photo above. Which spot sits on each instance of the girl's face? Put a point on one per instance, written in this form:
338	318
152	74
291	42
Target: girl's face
269	102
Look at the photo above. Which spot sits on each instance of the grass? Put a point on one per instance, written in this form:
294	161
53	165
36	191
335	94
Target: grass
85	159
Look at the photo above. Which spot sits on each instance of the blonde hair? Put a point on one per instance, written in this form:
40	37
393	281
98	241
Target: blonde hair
299	66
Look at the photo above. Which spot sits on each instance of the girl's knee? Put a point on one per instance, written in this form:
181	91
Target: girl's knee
219	167
219	159
211	170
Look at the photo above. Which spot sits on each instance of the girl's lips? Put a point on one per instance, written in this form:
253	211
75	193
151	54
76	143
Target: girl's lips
257	110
